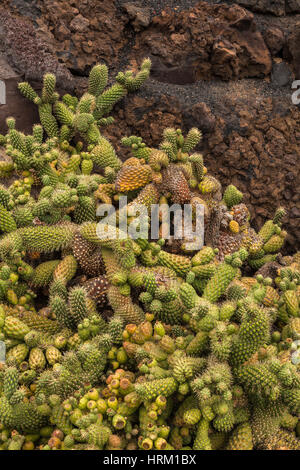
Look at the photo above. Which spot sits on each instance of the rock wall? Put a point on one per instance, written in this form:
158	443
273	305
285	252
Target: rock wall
226	68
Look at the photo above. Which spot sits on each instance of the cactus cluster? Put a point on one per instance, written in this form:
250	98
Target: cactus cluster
129	342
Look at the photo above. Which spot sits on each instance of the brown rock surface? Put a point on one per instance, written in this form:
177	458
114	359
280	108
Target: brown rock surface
139	16
212	66
275	40
292	6
15	105
205	41
97	31
264	164
294	48
28	52
276	7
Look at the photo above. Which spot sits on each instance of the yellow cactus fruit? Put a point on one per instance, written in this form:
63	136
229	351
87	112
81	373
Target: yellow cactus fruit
291	301
209	184
157	177
53	355
66	269
234	226
36	359
296	257
248	281
204	256
132	177
158	160
18	353
271	297
275	243
251	241
15	328
133	161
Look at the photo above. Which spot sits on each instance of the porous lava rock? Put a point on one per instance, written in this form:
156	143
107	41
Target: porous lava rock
216	66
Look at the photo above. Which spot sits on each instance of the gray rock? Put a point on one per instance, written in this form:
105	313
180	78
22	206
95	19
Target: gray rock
28	8
281	74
